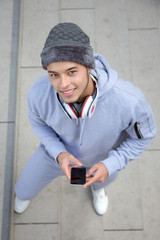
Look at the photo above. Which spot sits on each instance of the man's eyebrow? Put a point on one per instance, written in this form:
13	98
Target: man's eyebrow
51	71
69	69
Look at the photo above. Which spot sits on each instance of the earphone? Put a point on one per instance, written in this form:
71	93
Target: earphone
87	108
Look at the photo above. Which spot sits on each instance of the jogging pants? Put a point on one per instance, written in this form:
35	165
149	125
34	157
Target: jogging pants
39	171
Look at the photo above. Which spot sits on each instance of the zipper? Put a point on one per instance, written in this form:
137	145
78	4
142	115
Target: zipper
137	130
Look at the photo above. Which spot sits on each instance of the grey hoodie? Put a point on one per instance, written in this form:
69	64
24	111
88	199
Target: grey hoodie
120	129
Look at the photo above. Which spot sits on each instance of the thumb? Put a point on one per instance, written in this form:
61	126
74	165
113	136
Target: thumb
76	162
91	171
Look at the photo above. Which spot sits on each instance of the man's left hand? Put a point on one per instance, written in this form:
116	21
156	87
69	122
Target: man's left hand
101	174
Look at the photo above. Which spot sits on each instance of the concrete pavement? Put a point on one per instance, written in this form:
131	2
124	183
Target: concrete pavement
126	32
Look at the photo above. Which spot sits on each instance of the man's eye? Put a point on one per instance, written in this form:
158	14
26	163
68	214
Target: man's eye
72	72
54	75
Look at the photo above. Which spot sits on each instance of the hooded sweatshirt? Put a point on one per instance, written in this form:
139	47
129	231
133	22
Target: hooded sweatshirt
120	129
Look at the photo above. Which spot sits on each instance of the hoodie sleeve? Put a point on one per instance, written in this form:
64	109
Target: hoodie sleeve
46	134
140	132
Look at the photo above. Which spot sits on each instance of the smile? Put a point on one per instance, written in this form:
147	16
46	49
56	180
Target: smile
68	92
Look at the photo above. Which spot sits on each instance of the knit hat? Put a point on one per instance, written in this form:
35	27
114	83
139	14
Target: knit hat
67	42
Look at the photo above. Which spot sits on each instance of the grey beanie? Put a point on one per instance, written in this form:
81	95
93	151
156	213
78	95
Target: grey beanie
67	42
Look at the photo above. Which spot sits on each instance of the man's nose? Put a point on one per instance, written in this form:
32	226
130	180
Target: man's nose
65	81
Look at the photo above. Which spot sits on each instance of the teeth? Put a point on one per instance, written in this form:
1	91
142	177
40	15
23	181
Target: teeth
69	91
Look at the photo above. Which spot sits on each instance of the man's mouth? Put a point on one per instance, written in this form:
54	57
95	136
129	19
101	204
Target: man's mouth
68	92
65	92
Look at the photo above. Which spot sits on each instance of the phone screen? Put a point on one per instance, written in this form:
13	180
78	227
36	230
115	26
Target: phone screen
78	176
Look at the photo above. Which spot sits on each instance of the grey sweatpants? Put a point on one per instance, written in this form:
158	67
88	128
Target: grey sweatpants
39	171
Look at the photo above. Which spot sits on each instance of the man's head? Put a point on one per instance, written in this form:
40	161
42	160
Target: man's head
67	42
68	57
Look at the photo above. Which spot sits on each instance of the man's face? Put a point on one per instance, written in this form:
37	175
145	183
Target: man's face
71	81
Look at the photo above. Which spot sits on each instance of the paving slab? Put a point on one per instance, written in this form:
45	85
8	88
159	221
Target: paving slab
38	19
78	218
3	139
125	208
123	235
157	6
112	34
26	141
43	209
6	8
74	4
142	14
145	58
150	185
33	232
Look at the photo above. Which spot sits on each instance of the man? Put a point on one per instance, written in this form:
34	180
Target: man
84	116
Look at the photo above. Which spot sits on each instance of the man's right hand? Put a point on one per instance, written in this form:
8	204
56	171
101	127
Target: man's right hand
65	159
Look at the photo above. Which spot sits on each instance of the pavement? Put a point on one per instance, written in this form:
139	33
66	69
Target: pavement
127	33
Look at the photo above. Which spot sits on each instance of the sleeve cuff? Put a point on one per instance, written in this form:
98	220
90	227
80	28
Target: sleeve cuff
112	164
54	151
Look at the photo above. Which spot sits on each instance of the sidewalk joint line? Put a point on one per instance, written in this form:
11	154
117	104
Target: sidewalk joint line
66	9
31	67
7	122
34	223
143	29
123	230
152	150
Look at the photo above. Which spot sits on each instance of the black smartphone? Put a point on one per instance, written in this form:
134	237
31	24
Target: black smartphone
78	176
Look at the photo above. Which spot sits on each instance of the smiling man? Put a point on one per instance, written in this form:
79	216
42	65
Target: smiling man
84	115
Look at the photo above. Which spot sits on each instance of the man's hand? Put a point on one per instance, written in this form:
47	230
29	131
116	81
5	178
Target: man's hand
65	159
101	174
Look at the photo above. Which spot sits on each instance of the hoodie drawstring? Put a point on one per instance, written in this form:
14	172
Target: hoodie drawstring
82	131
78	120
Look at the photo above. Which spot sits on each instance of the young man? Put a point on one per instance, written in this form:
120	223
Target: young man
84	116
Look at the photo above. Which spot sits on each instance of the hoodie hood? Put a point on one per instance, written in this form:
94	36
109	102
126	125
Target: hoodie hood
106	80
105	75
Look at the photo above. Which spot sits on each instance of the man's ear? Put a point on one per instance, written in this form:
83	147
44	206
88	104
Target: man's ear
89	69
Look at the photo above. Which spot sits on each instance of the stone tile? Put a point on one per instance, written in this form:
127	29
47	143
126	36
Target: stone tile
38	19
77	4
39	231
83	18
5	49
43	209
26	139
78	218
3	131
141	14
112	34
123	235
145	58
125	210
157	5
150	186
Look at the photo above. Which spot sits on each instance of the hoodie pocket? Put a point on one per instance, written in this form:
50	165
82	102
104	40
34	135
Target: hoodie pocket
145	128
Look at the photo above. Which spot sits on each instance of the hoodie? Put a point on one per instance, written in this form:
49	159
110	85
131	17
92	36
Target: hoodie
120	129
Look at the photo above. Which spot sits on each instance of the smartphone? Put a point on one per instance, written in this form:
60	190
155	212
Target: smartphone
78	176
